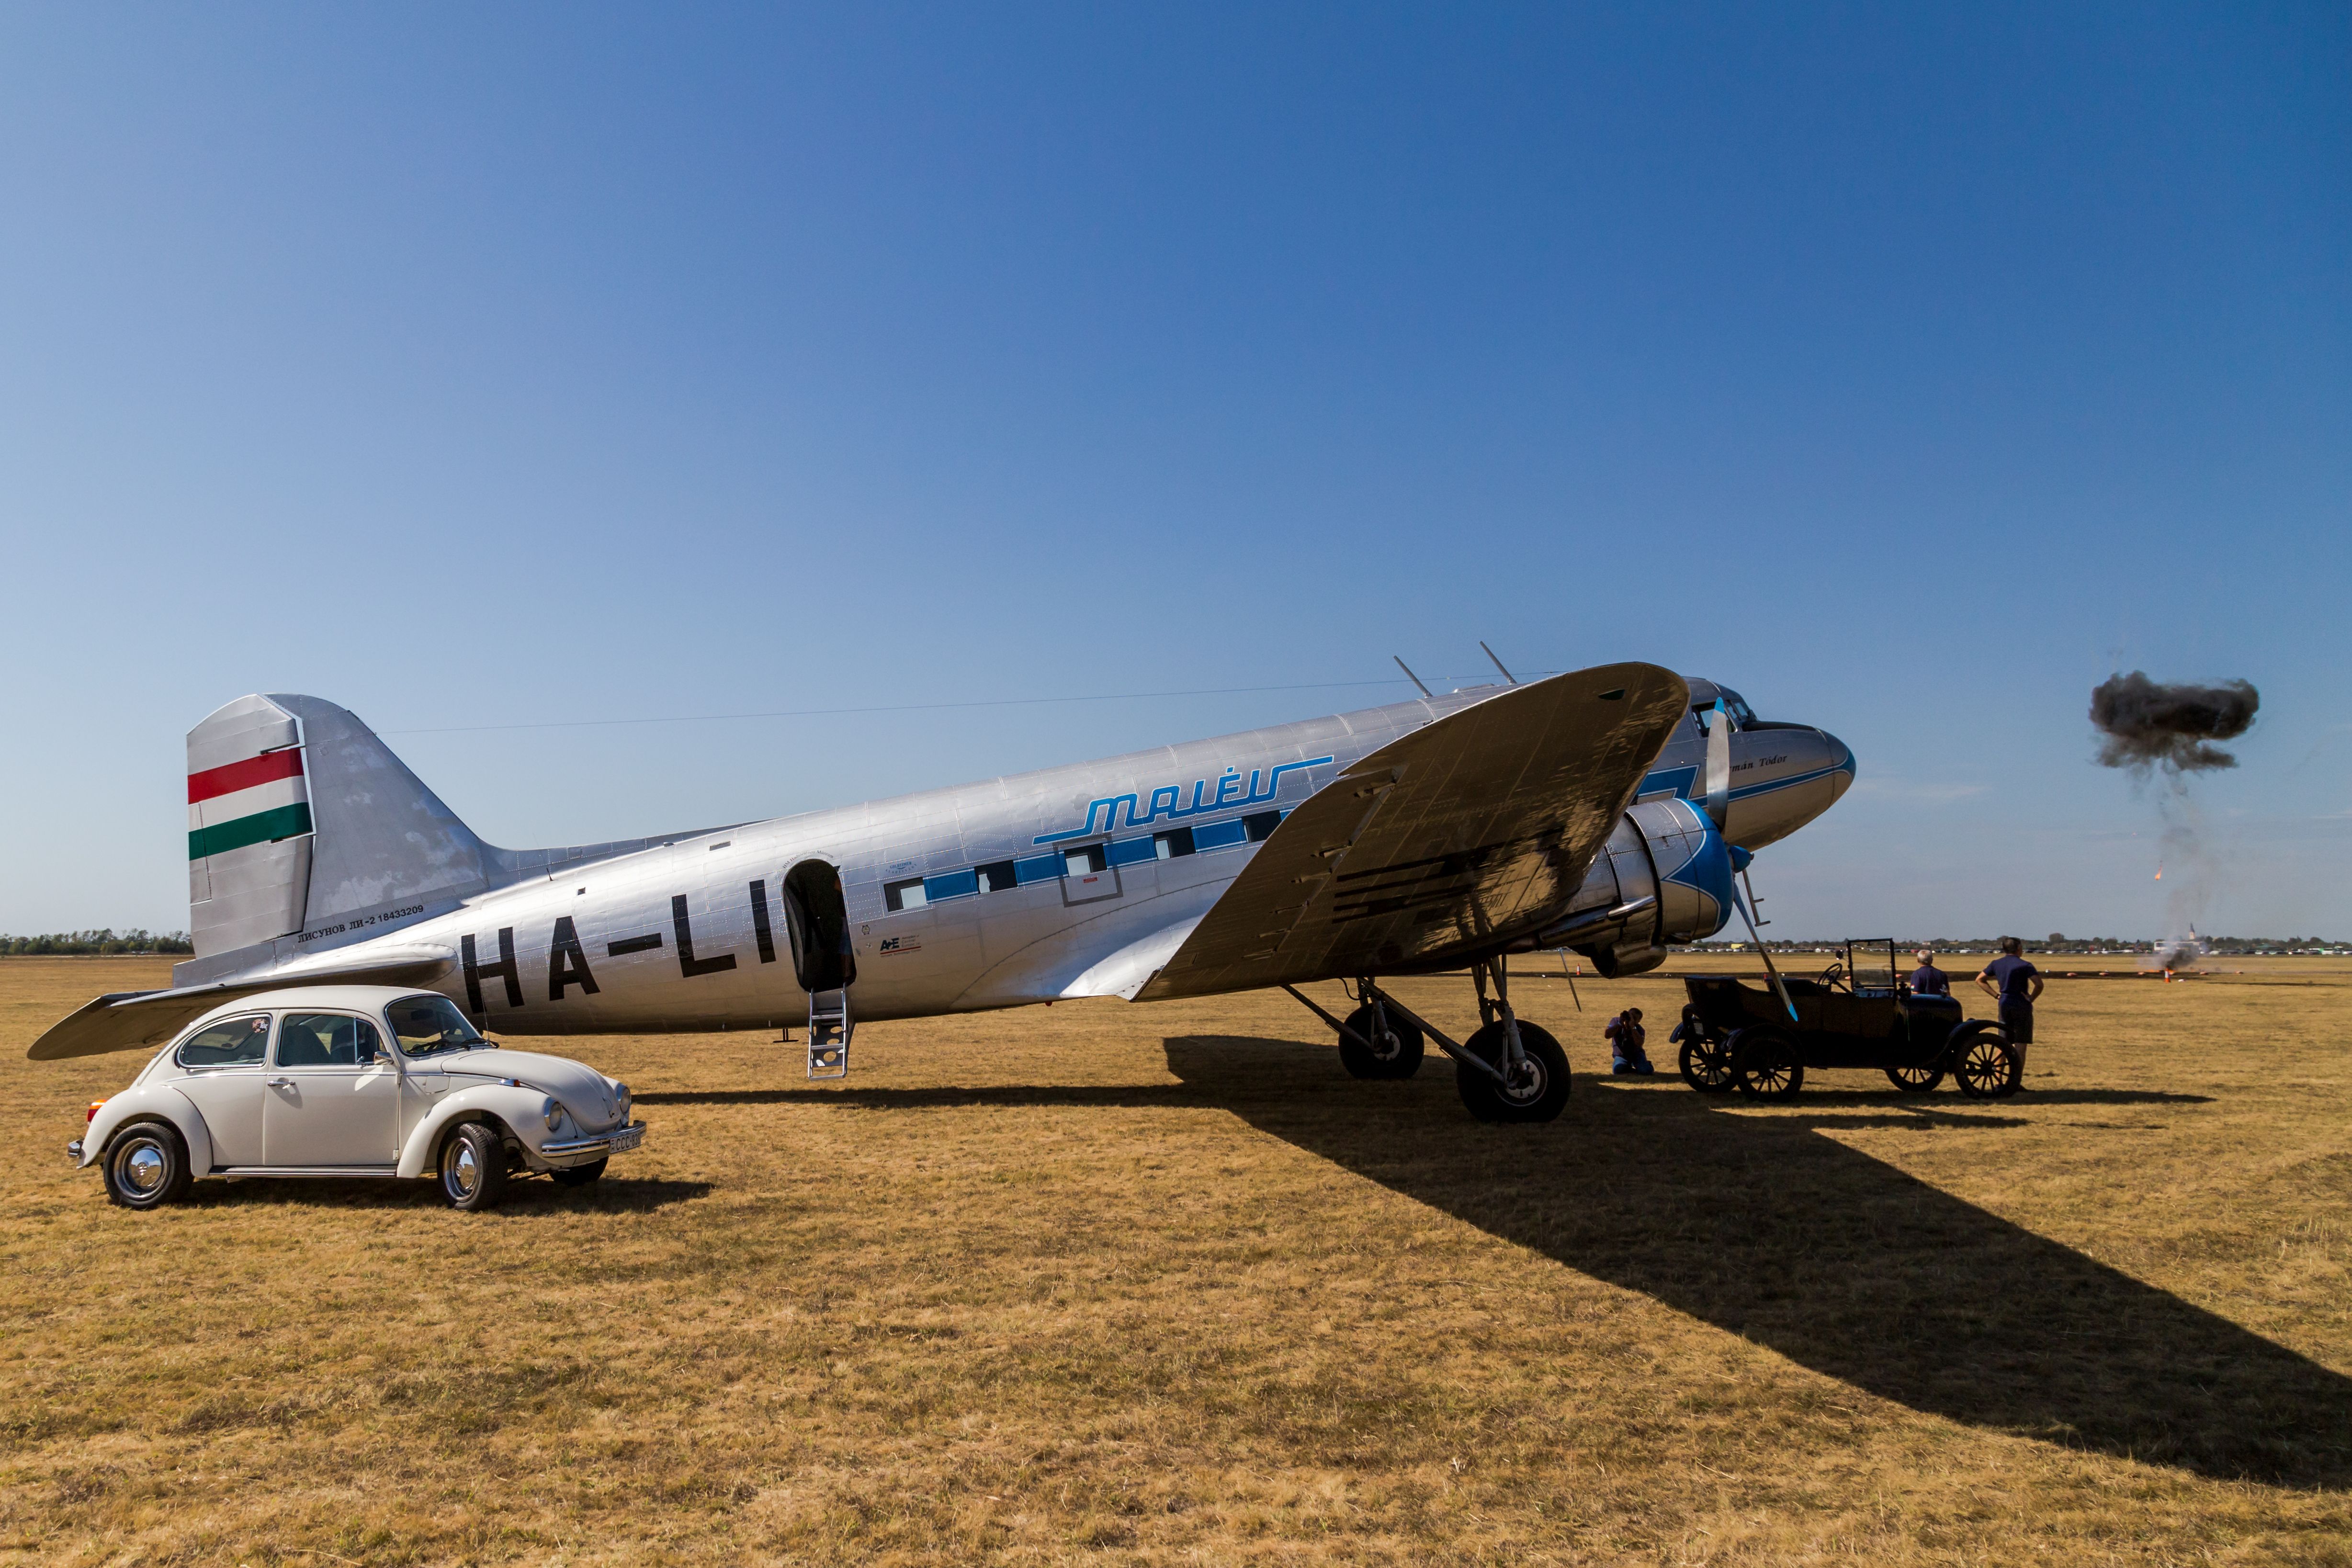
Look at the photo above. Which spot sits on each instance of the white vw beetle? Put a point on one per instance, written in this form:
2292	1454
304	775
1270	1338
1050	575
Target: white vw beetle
353	1080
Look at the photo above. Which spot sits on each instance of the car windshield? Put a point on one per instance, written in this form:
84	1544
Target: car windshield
424	1025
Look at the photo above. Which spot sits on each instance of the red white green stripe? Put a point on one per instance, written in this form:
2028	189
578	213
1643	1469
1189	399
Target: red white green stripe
249	802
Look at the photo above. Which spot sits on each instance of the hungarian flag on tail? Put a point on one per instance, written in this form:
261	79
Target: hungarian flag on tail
250	801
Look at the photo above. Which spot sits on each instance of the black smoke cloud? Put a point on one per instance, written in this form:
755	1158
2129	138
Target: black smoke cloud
2145	724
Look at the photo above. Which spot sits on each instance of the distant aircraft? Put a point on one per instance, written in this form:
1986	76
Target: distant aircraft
1605	810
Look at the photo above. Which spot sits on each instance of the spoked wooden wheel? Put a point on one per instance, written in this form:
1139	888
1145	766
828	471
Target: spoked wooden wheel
1706	1066
1764	1064
1986	1066
1916	1080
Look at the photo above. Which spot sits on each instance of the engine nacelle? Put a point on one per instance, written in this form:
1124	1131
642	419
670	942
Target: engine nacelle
1663	877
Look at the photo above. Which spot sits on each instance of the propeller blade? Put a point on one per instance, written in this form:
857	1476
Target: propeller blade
1769	968
1718	766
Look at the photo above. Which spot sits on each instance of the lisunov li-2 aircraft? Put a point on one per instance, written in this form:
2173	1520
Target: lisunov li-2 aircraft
1609	811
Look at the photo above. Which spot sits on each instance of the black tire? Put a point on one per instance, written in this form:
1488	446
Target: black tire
1396	1053
1706	1065
1541	1089
1764	1064
473	1167
146	1167
581	1175
1985	1065
1915	1080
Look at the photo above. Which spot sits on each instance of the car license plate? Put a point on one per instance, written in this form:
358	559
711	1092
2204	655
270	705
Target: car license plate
628	1138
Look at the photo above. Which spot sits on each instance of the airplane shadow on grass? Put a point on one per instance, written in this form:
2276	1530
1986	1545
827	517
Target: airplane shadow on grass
1842	1263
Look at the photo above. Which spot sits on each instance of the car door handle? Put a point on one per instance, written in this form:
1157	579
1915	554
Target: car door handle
282	1083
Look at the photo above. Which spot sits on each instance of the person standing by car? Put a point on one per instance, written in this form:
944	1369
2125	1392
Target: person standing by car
1928	980
2013	983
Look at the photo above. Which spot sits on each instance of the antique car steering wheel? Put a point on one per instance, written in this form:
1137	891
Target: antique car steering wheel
1830	975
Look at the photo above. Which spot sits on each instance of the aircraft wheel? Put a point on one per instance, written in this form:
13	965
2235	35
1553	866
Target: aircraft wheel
1397	1048
1915	1080
1537	1089
1706	1065
1764	1064
1985	1065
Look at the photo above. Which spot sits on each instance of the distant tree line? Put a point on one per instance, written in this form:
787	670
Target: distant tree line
87	944
2053	943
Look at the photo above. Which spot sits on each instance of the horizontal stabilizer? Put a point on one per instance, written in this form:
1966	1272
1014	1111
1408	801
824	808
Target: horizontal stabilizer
127	1020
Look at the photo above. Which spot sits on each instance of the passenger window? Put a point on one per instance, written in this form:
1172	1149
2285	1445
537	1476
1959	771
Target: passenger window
1083	861
1260	825
1167	846
907	894
236	1042
997	876
327	1039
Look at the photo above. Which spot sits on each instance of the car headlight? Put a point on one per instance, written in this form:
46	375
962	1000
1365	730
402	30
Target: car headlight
554	1114
621	1098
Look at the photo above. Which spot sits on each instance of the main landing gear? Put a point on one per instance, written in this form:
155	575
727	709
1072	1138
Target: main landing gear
1509	1070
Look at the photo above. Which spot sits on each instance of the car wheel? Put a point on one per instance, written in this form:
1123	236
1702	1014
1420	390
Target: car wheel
579	1176
146	1167
1764	1064
473	1166
1536	1090
1985	1065
1396	1049
1706	1066
1915	1080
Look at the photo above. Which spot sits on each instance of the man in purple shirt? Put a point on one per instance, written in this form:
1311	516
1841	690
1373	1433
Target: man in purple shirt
2014	984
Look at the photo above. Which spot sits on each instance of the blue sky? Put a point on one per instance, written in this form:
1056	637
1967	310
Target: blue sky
1909	372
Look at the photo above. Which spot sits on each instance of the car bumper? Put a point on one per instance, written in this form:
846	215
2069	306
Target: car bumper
74	1149
568	1152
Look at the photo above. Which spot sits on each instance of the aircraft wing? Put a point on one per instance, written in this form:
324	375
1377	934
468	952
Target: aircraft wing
1469	830
126	1020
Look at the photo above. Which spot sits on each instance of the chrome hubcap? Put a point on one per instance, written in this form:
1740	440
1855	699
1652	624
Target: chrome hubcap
142	1169
461	1172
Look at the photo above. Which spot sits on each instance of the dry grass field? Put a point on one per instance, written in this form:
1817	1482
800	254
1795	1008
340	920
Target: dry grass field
1104	1283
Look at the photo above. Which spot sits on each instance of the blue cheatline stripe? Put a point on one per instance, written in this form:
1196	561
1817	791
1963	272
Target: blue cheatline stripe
1219	836
1036	868
1132	852
279	822
1771	785
953	884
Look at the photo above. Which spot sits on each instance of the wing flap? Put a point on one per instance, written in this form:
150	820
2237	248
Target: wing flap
1466	833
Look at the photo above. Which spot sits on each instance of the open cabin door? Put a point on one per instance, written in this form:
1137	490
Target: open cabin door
817	921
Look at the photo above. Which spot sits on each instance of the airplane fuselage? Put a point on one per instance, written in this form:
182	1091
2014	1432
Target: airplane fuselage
983	895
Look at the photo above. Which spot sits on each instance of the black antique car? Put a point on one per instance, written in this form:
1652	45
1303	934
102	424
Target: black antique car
1859	1013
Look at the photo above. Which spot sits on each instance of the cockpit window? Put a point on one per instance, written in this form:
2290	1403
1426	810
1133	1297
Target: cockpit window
424	1025
1742	715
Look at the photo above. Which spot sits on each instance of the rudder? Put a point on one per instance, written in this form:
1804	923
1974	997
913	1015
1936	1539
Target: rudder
298	815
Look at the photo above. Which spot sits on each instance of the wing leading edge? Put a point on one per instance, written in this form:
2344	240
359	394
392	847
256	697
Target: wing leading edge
1462	834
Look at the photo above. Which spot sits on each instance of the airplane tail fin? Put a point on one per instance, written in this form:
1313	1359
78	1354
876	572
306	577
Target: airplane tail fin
298	815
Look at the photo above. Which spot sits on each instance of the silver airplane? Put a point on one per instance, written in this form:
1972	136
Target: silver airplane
1607	811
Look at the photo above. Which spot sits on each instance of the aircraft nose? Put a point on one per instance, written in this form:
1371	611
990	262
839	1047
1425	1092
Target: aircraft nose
1837	754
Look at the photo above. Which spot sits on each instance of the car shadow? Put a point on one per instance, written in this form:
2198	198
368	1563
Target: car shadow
523	1195
1764	1228
939	1096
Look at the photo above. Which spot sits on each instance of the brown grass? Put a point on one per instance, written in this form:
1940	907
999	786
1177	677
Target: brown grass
1106	1283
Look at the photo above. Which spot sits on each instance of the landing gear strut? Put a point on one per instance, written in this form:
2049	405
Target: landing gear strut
1507	1072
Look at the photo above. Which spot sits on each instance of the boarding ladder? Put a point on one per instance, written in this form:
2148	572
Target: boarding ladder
828	1034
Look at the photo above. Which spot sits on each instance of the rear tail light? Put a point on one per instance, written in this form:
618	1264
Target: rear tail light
91	1115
